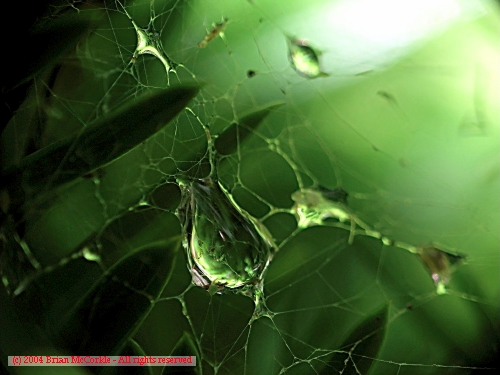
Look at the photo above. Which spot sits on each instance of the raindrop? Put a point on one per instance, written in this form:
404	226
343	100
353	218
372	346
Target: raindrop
304	59
226	247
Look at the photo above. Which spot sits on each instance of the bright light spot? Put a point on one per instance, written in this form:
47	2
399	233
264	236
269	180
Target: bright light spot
359	35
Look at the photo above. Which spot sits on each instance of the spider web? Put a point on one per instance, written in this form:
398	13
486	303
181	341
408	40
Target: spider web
417	174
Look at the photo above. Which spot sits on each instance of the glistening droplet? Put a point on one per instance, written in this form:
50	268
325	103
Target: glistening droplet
304	59
226	247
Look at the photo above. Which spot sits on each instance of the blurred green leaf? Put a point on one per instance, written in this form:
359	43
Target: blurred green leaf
97	145
18	333
360	349
185	347
132	348
105	319
50	40
40	45
166	196
135	229
227	142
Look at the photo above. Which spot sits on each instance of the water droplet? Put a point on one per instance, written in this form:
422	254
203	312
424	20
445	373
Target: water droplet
226	247
304	59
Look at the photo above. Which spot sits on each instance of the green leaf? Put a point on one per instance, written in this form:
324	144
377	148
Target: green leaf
228	141
132	348
359	350
48	41
32	49
17	332
136	229
102	249
185	347
110	313
97	145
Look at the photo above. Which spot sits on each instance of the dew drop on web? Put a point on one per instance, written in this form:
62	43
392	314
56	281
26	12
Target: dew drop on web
304	59
226	247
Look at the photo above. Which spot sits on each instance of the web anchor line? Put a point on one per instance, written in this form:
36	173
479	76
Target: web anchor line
316	207
149	43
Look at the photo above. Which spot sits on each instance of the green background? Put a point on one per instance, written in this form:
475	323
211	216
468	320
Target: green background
407	122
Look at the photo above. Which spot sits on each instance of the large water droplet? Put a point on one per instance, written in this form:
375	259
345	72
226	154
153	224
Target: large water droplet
227	248
304	59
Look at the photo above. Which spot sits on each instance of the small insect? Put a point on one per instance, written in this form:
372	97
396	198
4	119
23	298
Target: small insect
304	59
217	30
